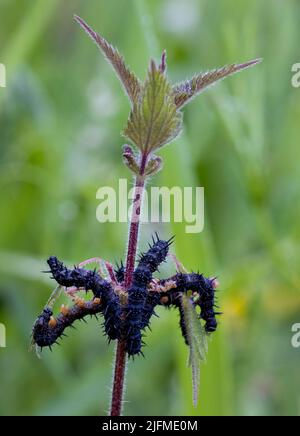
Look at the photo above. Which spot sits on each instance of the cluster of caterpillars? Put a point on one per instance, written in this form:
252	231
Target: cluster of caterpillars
127	313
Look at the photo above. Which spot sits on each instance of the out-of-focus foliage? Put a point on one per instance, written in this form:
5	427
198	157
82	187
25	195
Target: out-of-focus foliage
60	118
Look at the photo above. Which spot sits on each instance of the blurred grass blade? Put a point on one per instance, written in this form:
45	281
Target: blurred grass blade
27	34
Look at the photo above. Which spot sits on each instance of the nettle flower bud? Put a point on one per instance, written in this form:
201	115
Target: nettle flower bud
130	159
154	165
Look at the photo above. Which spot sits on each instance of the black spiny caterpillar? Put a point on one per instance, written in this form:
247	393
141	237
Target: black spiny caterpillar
204	288
127	312
91	280
47	329
120	273
140	306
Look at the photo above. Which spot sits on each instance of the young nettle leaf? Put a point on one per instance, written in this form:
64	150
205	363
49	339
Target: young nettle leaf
154	119
128	79
185	91
197	340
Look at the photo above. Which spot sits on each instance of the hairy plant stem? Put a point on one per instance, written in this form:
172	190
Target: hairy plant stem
121	358
119	379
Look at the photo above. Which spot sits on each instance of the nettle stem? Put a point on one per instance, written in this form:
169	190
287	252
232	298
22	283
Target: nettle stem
134	225
119	379
134	230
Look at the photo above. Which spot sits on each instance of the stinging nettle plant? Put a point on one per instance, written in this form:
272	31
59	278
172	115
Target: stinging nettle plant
127	295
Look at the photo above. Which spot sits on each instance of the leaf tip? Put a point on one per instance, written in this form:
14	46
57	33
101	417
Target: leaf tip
152	66
163	63
85	26
249	64
79	20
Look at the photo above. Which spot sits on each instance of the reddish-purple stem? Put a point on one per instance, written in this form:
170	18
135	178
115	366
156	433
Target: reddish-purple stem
134	231
121	358
119	378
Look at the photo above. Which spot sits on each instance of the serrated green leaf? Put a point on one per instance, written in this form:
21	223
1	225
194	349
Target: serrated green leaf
185	91
128	79
197	340
154	120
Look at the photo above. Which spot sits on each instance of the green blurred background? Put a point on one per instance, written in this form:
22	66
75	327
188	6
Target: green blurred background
60	118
